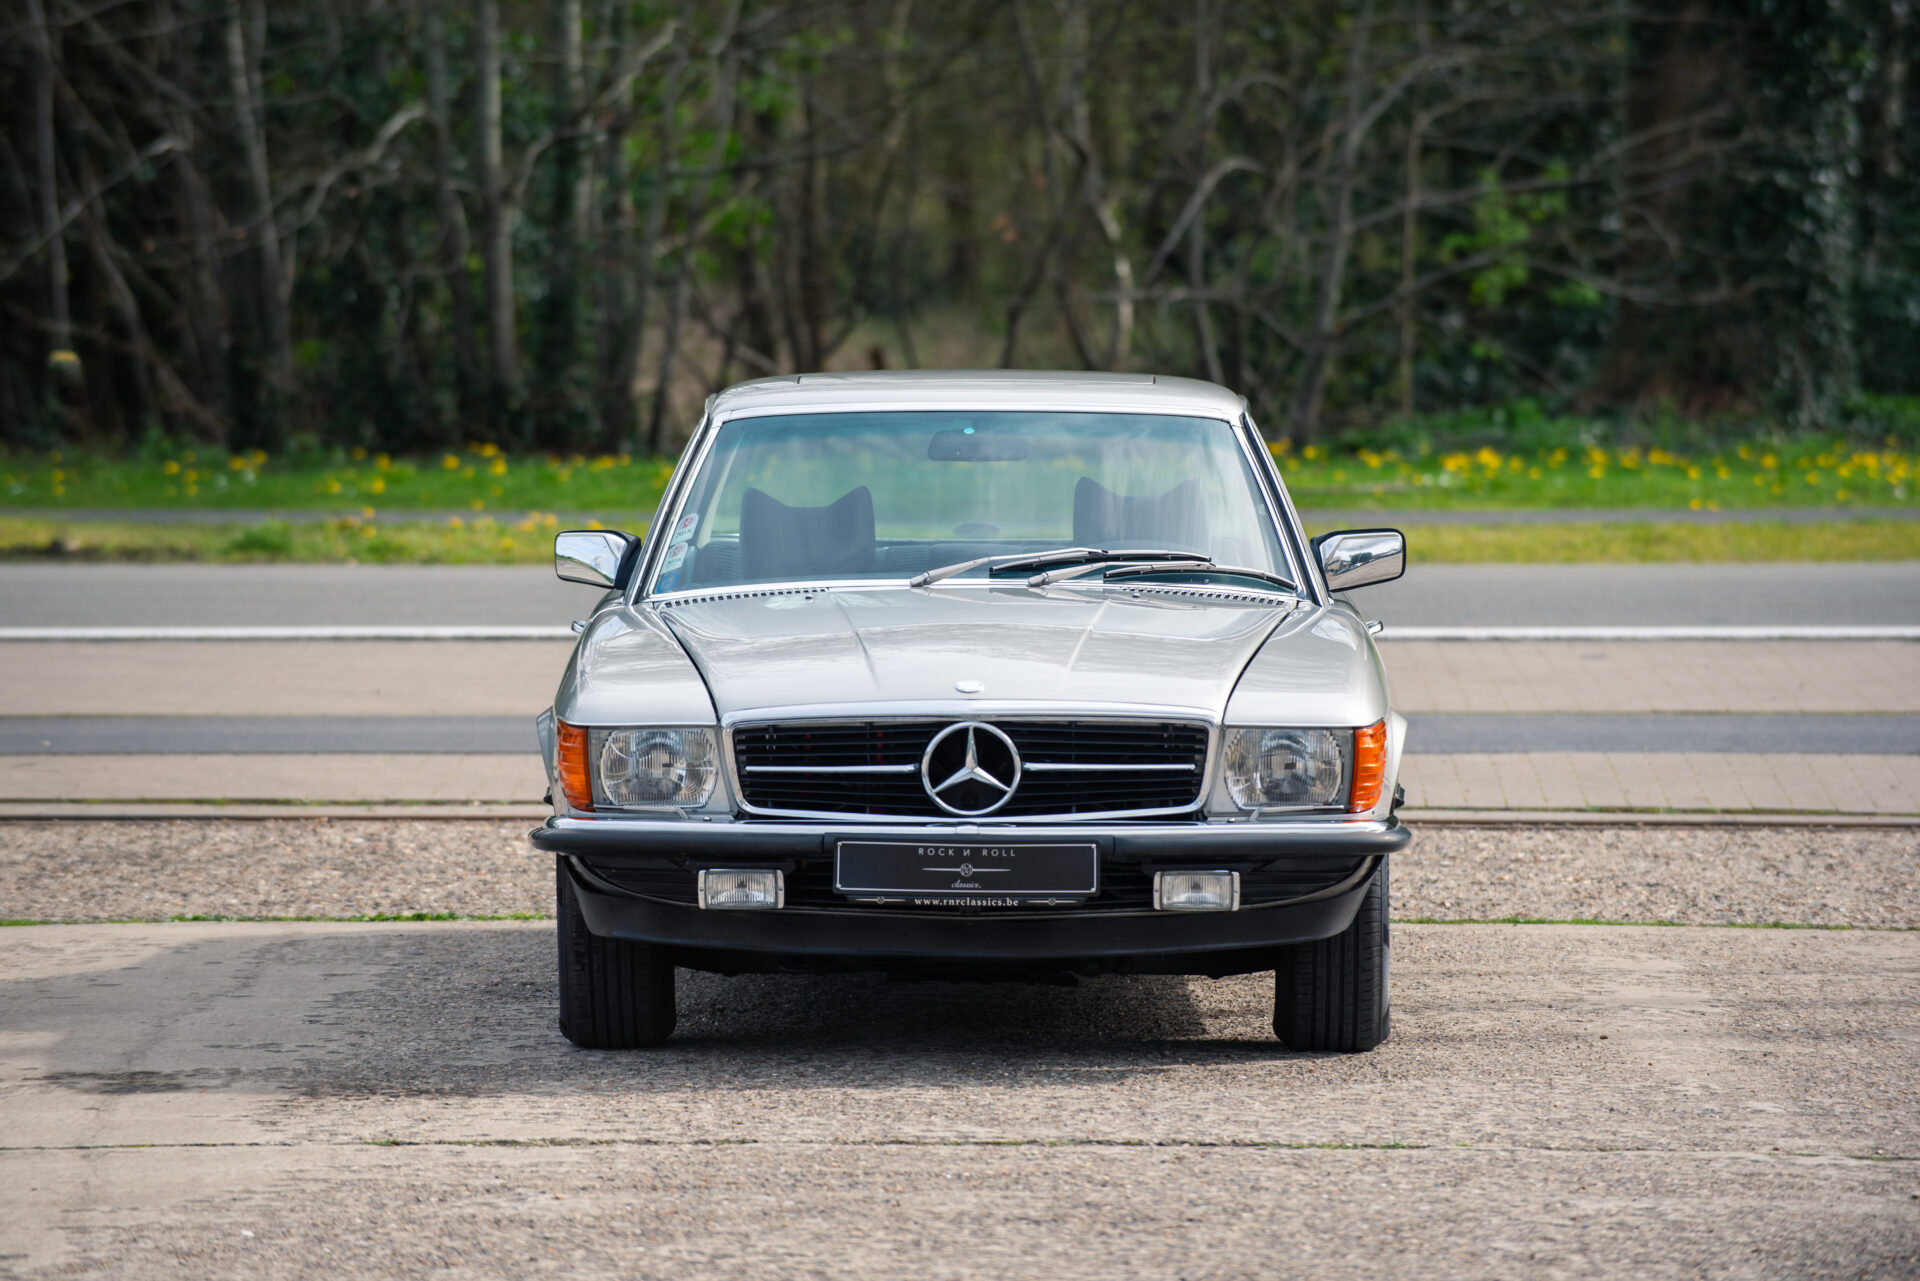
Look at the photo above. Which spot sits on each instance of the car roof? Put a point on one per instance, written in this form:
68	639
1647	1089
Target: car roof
1021	389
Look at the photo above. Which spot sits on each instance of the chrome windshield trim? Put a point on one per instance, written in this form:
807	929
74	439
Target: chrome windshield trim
693	596
678	485
1294	534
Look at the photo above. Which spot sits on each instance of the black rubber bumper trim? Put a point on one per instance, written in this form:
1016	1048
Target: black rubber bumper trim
1054	938
793	840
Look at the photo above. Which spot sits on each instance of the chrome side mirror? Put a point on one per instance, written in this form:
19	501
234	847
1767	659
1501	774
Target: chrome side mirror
1357	557
591	556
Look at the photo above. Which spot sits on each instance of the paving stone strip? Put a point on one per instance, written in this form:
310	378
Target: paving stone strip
100	871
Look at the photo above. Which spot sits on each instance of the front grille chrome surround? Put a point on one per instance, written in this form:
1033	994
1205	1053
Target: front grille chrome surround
1074	768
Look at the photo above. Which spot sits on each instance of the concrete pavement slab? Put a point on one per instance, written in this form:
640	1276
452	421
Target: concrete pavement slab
272	735
1854	733
1681	781
508	678
359	777
394	1100
282	678
1654	676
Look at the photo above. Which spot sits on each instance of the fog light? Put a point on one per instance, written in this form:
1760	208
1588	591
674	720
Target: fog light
1196	891
723	887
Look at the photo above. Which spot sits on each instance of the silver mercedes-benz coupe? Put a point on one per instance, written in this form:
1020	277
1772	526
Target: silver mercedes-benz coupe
975	675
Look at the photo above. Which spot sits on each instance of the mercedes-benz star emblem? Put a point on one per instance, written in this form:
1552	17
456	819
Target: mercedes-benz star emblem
970	768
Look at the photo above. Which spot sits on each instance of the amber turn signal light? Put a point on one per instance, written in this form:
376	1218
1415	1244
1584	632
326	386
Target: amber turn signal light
576	783
1369	766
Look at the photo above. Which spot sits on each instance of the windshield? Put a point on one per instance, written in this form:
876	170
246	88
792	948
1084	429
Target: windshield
804	497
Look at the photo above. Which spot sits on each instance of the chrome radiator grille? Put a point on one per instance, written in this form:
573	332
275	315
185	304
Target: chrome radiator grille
1069	767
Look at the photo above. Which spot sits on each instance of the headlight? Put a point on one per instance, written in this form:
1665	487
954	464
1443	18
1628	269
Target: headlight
655	768
1288	768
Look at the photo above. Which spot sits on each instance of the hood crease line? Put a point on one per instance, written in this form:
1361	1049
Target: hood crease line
866	655
1086	634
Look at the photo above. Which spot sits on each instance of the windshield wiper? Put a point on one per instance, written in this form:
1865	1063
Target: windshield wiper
1093	563
1087	556
1018	562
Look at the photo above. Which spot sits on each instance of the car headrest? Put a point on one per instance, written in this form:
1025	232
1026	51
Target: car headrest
778	541
1176	519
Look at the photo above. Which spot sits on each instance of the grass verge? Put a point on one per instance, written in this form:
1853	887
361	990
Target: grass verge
529	541
1561	469
345	540
1635	542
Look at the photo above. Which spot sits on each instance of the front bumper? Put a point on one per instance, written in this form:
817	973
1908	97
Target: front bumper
604	838
597	850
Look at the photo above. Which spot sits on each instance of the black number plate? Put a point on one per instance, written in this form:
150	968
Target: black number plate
939	873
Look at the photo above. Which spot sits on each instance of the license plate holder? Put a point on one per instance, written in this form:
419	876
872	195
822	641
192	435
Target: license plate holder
958	873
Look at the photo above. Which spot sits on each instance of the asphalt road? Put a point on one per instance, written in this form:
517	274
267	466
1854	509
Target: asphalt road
291	1100
34	595
1427	732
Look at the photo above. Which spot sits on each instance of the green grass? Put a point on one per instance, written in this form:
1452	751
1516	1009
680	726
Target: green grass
1804	472
479	540
477	480
1809	473
1634	542
528	540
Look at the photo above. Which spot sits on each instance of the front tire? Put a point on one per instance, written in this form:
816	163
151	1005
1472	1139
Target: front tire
614	994
1332	994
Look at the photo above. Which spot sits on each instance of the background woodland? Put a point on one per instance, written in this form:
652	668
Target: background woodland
407	224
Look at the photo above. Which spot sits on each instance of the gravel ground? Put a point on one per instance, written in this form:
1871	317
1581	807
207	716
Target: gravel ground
94	871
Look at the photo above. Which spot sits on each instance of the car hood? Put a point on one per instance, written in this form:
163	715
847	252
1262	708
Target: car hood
874	651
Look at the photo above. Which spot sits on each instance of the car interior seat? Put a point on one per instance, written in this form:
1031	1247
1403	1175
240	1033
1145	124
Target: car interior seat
778	541
1176	519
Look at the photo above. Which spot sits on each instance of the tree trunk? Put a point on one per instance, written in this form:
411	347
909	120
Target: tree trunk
503	345
613	243
1410	230
651	230
1312	391
452	217
243	69
559	320
669	353
209	329
1197	233
815	283
46	180
1409	252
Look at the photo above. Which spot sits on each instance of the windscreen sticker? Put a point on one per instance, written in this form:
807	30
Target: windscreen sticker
684	527
676	556
667	582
